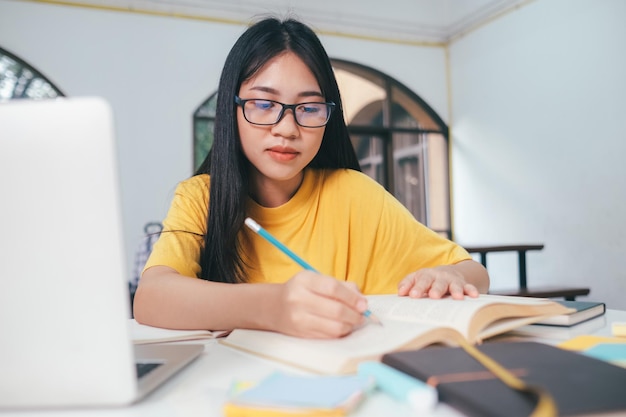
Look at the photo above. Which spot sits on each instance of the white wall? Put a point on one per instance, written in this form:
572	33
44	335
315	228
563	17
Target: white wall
538	118
539	133
156	71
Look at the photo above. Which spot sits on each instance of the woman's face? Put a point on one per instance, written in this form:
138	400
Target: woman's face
280	152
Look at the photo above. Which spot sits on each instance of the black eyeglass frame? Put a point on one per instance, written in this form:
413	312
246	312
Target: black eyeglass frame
241	102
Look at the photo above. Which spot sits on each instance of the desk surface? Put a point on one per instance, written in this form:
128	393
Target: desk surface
200	389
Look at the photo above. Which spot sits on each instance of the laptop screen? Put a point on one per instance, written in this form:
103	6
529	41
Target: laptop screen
64	302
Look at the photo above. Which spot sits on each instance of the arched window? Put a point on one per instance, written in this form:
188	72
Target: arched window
18	79
399	140
203	122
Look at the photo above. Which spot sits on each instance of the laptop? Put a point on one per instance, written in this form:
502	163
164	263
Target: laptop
64	300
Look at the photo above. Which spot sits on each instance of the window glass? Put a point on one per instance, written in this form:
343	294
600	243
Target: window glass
369	150
408	170
436	182
412	111
20	80
363	99
203	122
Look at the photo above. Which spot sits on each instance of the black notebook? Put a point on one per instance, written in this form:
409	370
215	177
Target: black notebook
579	384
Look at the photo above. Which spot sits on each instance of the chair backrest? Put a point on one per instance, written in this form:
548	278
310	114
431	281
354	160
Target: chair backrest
152	231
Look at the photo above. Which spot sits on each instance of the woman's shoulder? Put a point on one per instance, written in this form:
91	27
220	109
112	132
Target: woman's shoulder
350	185
197	183
192	195
194	188
350	179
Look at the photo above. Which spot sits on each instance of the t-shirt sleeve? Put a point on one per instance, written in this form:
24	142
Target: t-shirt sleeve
184	227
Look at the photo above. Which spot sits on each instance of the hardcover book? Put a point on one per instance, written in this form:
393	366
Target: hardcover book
579	384
582	311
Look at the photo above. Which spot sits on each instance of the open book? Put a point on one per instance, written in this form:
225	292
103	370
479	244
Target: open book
407	324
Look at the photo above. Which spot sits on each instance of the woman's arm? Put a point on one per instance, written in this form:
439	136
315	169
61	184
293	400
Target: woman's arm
308	305
464	278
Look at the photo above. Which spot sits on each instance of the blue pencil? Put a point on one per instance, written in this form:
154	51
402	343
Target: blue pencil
265	234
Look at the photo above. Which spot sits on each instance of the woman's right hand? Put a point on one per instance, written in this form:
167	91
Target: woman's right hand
308	305
318	306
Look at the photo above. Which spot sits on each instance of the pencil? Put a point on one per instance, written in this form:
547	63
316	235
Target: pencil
255	227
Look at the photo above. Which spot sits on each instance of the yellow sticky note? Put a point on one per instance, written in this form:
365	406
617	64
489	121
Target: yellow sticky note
585	342
619	329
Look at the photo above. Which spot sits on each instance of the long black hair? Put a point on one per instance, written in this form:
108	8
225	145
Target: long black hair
220	259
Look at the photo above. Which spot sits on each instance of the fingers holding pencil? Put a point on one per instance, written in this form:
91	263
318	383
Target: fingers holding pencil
359	303
319	306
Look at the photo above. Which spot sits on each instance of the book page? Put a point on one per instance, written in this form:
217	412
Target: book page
330	356
408	323
457	314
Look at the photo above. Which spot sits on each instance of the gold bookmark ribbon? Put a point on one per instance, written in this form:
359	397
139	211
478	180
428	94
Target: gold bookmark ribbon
545	407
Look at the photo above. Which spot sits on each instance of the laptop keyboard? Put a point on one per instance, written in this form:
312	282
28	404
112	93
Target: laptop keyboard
145	368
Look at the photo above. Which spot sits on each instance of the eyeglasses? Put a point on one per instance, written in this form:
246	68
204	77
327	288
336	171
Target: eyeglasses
270	112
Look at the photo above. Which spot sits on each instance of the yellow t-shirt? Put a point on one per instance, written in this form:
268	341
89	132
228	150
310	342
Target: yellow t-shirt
341	222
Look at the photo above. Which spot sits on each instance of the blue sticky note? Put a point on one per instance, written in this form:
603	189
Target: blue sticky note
281	389
610	352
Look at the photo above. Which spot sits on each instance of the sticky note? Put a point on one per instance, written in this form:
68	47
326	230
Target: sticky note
619	329
608	351
281	389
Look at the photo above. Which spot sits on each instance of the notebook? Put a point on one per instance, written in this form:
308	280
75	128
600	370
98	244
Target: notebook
64	301
579	384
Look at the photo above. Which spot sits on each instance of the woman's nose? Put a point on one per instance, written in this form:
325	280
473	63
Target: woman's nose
287	126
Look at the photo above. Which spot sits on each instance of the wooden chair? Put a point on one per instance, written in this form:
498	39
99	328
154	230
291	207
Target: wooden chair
568	293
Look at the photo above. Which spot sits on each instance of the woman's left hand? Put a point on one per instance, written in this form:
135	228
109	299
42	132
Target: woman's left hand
441	280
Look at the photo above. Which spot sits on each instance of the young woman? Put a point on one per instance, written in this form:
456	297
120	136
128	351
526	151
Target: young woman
282	156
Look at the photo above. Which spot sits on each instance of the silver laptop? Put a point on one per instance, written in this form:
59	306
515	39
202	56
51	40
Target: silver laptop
64	301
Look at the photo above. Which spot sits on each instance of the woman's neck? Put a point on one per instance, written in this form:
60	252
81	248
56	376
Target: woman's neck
272	193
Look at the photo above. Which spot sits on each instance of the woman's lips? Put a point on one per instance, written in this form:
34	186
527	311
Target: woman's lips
282	154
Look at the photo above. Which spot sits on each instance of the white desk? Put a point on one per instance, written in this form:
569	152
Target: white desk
201	388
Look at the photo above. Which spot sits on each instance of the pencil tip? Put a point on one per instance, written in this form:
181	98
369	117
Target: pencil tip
372	318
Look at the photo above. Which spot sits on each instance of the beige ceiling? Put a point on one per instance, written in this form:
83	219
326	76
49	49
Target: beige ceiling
413	21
